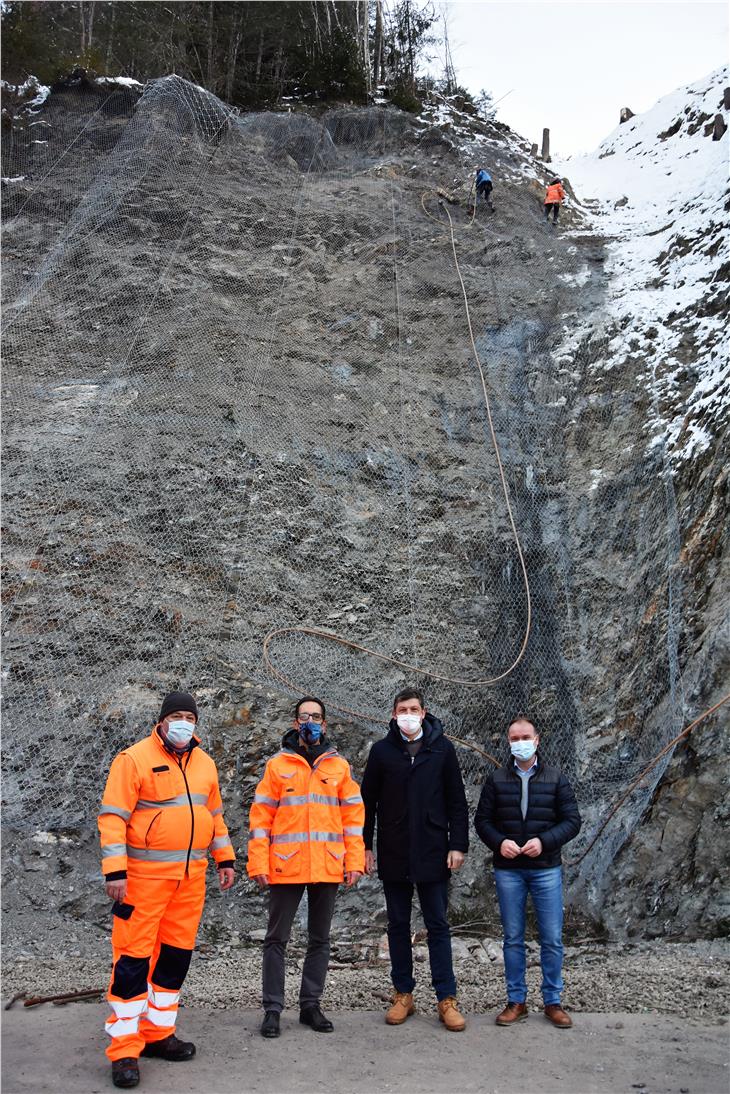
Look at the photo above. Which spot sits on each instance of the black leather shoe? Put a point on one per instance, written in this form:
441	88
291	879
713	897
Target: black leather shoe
270	1024
125	1072
312	1016
170	1049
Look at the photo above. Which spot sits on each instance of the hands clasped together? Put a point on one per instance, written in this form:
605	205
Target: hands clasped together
510	849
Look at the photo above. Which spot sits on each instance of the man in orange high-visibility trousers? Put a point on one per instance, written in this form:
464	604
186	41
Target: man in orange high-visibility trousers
554	198
160	816
306	832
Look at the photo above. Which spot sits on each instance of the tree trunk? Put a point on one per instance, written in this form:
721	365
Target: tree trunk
233	48
110	40
317	36
83	26
210	83
378	66
90	25
366	45
259	57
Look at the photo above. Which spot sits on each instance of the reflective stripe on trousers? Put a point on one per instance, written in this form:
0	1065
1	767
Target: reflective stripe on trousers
125	1017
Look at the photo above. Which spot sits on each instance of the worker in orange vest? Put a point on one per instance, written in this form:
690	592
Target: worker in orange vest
554	197
161	815
306	826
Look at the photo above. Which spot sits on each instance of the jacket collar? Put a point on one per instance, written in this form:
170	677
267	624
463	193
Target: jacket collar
290	744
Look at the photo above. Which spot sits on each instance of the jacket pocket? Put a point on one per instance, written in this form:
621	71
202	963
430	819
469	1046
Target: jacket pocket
286	862
334	859
164	786
151	828
437	820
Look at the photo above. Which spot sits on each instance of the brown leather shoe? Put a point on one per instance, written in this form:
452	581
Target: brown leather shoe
450	1015
401	1008
555	1014
513	1012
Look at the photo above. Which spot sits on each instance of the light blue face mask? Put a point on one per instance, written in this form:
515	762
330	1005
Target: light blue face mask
523	750
180	732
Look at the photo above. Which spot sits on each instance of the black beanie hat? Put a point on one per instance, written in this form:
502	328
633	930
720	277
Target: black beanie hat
178	700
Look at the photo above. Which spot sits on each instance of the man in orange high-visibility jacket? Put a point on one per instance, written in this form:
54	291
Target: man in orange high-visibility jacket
554	197
306	832
160	817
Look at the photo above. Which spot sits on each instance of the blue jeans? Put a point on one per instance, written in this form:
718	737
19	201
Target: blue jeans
434	901
546	890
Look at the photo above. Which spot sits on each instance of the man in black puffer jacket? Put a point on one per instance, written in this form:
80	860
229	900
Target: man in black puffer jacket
526	812
413	791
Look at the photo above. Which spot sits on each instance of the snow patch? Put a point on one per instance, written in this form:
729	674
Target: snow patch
122	81
658	185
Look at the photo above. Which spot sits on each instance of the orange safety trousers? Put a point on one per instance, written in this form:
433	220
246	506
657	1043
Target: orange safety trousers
151	949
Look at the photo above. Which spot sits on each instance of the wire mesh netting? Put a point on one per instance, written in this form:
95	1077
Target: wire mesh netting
240	399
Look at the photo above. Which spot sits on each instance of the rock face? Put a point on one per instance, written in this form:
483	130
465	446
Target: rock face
658	185
243	401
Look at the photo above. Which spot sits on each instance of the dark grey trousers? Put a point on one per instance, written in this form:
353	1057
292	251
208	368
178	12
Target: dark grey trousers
283	903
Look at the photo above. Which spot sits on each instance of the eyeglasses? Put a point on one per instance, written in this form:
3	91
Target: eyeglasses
316	718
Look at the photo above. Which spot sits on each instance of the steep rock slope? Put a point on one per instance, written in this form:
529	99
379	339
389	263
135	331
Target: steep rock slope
657	188
304	328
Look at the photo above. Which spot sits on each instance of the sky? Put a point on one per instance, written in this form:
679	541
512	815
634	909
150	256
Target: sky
572	65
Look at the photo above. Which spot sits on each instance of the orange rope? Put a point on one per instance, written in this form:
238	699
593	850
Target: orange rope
407	666
627	794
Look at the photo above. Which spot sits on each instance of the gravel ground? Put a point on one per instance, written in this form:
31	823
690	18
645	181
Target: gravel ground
661	977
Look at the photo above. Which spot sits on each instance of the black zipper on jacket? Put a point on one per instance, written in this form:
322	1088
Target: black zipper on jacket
192	814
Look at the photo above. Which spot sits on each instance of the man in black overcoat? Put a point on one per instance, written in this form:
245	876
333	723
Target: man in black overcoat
414	795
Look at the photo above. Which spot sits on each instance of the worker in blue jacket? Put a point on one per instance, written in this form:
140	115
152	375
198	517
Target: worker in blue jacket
484	186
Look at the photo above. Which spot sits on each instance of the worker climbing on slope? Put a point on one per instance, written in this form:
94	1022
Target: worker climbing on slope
554	197
484	187
160	816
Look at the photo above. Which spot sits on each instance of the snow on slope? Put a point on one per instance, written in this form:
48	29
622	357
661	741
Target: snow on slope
660	189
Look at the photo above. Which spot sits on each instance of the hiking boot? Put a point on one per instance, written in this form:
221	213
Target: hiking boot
513	1012
555	1014
401	1008
125	1072
313	1017
270	1024
170	1048
451	1016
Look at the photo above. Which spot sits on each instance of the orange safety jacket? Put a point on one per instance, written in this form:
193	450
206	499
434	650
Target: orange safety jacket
555	194
306	822
162	813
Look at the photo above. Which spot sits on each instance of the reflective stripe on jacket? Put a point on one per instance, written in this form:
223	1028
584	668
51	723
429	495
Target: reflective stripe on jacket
162	814
306	822
555	194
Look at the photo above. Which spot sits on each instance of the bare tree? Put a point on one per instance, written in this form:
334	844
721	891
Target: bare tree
378	50
234	44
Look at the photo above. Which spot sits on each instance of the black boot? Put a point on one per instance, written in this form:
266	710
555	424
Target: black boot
170	1048
270	1024
312	1016
125	1072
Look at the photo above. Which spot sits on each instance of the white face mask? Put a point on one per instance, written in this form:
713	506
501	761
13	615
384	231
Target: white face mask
409	723
179	732
523	750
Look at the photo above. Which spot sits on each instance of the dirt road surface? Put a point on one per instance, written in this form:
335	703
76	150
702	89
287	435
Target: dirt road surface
51	1049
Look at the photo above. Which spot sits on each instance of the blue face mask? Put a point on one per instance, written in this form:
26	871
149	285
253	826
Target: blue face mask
311	732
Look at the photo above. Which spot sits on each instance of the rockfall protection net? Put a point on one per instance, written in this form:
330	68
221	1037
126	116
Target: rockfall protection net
240	397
